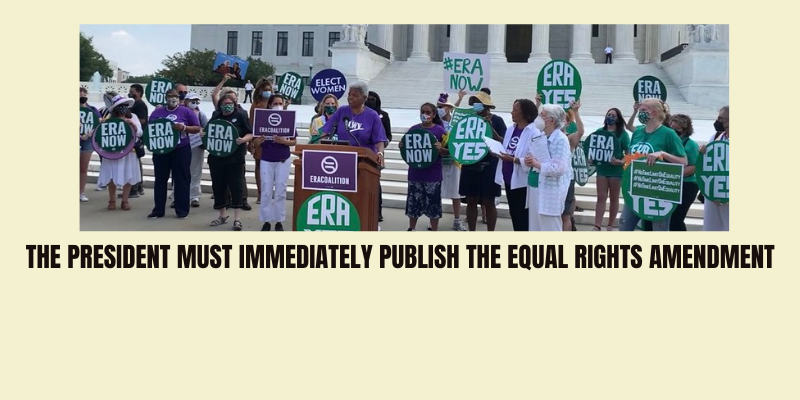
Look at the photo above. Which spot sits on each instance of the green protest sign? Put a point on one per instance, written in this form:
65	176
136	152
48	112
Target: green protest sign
156	91
663	181
559	83
459	114
291	86
113	135
649	87
601	147
646	208
89	120
581	170
160	137
712	172
464	71
220	138
327	211
465	141
418	149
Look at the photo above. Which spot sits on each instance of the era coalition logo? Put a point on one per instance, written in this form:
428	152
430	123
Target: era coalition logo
512	145
274	119
642	147
329	165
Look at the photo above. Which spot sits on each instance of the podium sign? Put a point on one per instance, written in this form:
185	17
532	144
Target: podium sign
330	170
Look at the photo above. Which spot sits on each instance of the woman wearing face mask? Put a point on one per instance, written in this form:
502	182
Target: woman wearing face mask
192	101
552	177
260	100
716	214
510	171
328	106
609	175
682	125
374	102
425	184
86	146
275	164
176	162
123	171
226	171
477	180
451	173
659	143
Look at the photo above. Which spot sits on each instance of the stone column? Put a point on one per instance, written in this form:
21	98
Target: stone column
497	42
458	38
419	52
581	44
623	50
540	44
667	38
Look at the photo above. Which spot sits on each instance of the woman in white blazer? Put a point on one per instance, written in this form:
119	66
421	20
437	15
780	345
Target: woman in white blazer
553	175
510	172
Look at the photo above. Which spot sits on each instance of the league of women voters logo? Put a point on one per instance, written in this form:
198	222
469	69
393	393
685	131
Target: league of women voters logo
642	148
354	126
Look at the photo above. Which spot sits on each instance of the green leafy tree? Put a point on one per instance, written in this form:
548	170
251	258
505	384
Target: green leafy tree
91	60
139	79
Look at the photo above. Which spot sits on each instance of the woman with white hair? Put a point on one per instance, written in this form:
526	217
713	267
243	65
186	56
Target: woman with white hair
548	181
658	142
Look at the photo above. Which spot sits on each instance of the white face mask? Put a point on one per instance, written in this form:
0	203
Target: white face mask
277	107
442	112
539	123
193	106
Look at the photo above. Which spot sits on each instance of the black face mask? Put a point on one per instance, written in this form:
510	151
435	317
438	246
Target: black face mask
131	96
372	103
84	99
718	126
182	95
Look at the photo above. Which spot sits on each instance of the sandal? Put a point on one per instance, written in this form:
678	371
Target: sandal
112	205
219	221
611	228
596	228
237	226
126	206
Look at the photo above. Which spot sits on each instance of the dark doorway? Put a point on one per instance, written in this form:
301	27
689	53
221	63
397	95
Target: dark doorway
518	43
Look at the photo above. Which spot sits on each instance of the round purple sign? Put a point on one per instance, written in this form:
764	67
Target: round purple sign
113	139
328	81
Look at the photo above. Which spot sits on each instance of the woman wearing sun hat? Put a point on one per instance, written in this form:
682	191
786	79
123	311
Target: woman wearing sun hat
123	171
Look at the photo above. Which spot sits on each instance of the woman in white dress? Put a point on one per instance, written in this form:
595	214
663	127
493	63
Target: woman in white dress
550	178
123	171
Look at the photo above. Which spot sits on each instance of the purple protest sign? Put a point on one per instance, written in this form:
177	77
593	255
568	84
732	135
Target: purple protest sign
330	170
273	122
328	81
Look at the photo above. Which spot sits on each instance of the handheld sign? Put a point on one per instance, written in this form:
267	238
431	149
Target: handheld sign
113	139
418	149
559	83
89	120
156	91
465	141
469	72
649	87
273	122
458	115
327	211
328	81
160	137
601	147
580	168
291	85
220	138
713	172
225	64
642	190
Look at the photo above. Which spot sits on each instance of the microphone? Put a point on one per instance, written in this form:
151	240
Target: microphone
347	128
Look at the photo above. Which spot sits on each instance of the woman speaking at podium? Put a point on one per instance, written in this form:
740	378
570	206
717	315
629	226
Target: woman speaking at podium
356	123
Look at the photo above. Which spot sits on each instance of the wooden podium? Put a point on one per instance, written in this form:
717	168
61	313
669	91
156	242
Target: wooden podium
368	177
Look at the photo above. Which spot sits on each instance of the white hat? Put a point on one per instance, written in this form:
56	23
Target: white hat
192	96
119	100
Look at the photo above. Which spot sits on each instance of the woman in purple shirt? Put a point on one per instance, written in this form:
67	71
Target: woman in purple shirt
176	162
275	164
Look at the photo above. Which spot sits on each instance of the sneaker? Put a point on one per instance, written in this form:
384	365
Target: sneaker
141	192
266	227
458	225
246	206
84	198
100	188
411	230
279	226
195	203
183	216
153	215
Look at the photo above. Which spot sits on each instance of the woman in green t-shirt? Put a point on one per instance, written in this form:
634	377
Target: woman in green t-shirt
682	125
658	142
609	175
